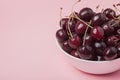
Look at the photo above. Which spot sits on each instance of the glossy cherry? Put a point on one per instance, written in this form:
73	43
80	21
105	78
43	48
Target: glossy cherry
98	58
110	13
118	50
64	45
89	40
75	41
86	14
99	47
115	25
108	29
74	53
97	32
63	23
85	52
71	24
112	40
110	53
98	19
80	28
61	35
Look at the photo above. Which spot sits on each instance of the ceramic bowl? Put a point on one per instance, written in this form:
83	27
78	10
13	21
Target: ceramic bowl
93	67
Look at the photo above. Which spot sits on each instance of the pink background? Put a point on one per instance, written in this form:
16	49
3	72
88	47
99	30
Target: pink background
28	49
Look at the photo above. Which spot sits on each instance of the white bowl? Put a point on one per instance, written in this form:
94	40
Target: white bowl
93	67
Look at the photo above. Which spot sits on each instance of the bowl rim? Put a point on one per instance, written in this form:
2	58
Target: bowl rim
83	59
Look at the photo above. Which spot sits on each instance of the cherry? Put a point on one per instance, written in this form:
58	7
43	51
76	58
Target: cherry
74	42
80	28
97	32
86	14
85	52
112	40
110	53
71	24
108	29
63	23
118	31
114	24
98	19
118	50
64	45
99	47
74	53
109	13
116	27
89	40
61	35
98	58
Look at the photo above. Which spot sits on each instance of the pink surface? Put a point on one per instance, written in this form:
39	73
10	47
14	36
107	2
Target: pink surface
28	49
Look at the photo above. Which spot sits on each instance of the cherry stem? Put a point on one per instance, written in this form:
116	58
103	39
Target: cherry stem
97	7
61	15
85	35
81	20
118	4
69	31
115	6
74	5
71	17
117	42
117	20
102	10
61	19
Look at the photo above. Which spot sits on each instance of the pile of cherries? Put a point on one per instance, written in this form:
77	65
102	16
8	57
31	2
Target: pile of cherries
91	36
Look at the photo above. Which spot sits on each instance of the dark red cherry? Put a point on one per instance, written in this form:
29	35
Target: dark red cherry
110	13
63	23
112	40
80	28
110	53
74	42
116	27
99	48
97	32
85	52
118	32
108	29
89	40
74	53
98	19
118	50
86	14
98	58
71	24
64	45
61	35
114	24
